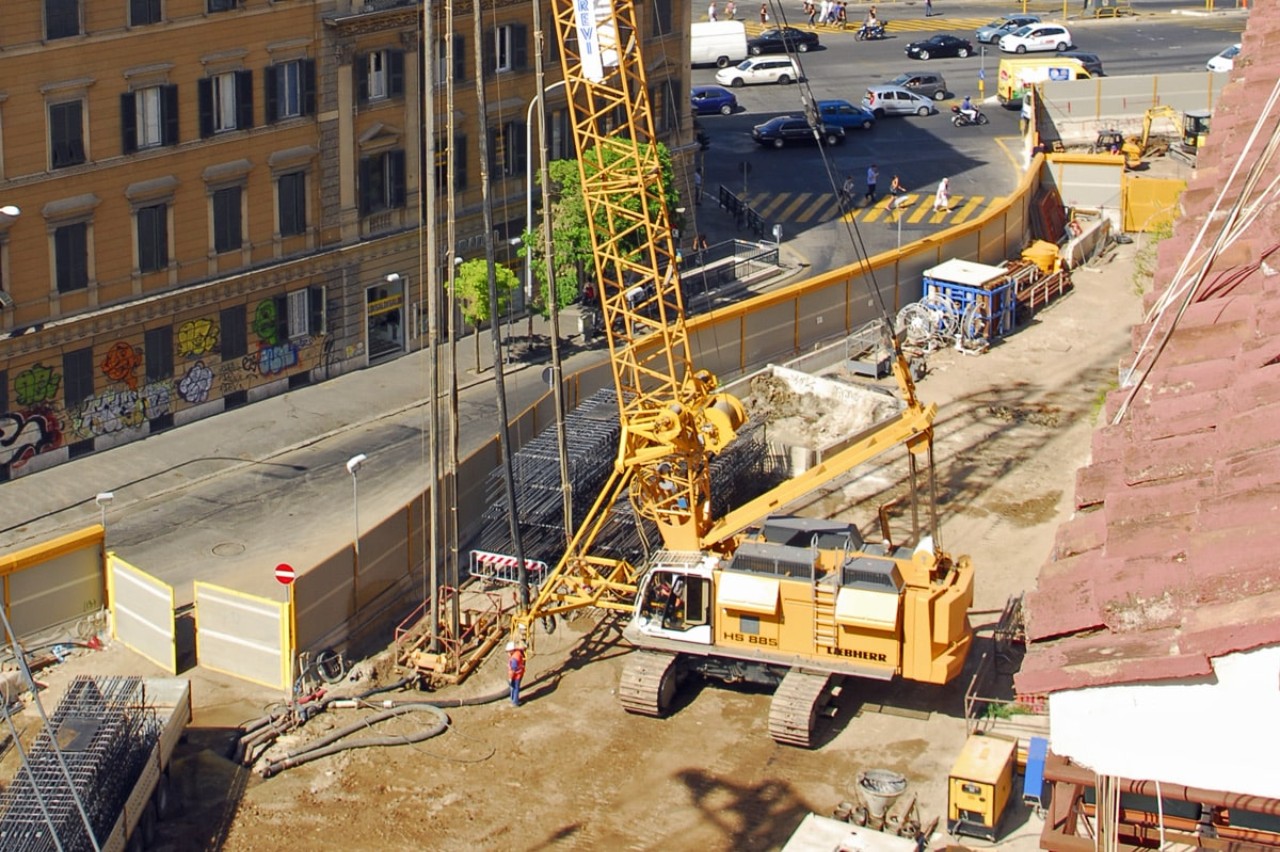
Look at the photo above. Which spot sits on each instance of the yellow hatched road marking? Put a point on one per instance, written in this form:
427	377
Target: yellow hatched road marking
903	205
773	204
790	209
819	208
941	216
877	210
919	213
936	24
967	210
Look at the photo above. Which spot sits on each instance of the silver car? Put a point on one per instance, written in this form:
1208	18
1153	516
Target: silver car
1003	25
895	100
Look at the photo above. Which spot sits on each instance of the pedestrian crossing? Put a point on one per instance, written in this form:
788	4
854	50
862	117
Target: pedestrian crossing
818	208
935	24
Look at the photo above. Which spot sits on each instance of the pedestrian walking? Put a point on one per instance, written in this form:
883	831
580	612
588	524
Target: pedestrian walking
896	193
730	10
942	198
711	11
515	670
824	11
764	13
697	185
831	13
928	8
1027	110
842	15
847	192
812	11
873	176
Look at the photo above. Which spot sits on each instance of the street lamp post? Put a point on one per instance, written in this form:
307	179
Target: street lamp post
353	467
103	500
528	187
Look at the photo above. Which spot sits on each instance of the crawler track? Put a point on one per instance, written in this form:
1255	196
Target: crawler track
648	684
795	707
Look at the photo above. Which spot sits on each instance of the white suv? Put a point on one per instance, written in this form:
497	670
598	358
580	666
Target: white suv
759	69
1036	37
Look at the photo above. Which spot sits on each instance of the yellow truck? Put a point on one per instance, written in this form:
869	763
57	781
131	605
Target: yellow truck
1016	75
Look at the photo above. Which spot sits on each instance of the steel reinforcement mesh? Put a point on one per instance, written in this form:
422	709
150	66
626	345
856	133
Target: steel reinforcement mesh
592	430
105	731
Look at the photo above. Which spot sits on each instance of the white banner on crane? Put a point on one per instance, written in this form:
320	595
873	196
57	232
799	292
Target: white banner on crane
598	37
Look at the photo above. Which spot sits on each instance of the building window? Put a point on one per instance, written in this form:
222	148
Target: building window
142	12
149	118
77	376
510	48
66	134
507	149
157	347
662	18
459	61
227	235
291	89
233	334
153	237
561	147
226	102
459	152
221	5
61	19
382	185
305	312
71	256
292	191
381	75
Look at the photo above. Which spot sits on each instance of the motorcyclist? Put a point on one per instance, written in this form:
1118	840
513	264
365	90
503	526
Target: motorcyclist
969	110
870	24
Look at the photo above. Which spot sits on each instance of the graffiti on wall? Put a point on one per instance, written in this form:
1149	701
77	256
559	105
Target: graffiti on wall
26	434
270	360
195	385
266	322
122	361
36	385
197	337
230	377
115	411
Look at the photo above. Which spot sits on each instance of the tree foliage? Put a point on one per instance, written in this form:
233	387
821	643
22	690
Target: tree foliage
471	287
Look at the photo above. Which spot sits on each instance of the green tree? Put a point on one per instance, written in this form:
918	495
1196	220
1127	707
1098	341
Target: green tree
471	288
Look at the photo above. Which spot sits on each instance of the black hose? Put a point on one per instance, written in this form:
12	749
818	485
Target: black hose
329	744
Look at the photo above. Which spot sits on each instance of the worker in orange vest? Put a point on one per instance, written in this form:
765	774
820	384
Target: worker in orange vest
515	670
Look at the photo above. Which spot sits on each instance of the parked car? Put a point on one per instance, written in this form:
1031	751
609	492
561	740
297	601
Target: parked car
759	69
990	33
1224	61
1090	61
712	99
782	40
1035	37
794	129
939	45
895	100
927	84
846	115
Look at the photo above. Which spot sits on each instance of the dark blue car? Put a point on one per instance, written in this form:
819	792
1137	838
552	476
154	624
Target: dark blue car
709	99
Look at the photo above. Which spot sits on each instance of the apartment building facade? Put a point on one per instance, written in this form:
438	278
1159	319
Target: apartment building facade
219	200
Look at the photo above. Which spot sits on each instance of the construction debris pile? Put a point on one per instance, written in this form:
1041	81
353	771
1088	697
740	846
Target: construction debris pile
105	732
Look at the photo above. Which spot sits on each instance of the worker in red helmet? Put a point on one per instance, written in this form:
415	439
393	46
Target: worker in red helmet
515	670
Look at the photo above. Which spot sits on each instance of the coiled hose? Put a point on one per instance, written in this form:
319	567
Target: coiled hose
329	744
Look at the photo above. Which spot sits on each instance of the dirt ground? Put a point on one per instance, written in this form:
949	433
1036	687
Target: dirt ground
571	770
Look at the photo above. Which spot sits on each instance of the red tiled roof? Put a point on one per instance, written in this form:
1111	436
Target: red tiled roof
1173	556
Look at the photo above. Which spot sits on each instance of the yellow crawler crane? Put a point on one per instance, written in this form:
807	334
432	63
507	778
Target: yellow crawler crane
798	603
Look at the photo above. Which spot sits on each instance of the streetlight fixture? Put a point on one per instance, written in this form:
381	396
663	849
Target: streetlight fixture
353	466
528	184
103	500
10	210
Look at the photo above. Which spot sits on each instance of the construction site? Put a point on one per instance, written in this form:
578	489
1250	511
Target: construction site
917	584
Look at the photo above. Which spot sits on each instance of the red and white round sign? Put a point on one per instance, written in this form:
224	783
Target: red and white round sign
285	573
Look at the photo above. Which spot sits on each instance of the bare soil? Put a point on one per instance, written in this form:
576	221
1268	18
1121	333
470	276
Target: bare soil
571	770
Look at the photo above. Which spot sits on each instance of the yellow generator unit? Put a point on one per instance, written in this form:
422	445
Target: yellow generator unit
979	787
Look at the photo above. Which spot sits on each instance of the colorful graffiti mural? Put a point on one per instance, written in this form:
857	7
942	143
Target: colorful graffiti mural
197	337
36	385
122	361
266	322
26	434
197	382
117	410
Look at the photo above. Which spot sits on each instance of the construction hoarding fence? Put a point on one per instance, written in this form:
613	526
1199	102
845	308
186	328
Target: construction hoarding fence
243	635
56	583
142	613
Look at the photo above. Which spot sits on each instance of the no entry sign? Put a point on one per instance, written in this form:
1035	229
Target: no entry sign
285	573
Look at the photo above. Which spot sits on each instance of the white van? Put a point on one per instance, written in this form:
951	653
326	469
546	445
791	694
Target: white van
718	43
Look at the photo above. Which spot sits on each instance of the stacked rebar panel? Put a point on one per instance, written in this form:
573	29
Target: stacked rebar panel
105	732
592	430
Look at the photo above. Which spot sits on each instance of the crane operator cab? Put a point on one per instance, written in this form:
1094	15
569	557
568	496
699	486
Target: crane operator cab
674	600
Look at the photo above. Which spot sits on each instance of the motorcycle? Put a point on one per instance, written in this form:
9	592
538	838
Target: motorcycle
962	120
875	33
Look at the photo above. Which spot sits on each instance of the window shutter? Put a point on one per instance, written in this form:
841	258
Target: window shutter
169	105
271	76
366	184
495	151
75	131
308	87
459	152
315	302
395	73
204	90
361	70
282	318
520	39
395	178
459	58
128	123
488	54
244	99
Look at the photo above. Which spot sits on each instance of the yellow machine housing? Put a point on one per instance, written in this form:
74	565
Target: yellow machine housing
979	786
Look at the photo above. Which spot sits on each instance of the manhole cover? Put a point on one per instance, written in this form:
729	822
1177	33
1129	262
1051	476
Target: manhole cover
228	548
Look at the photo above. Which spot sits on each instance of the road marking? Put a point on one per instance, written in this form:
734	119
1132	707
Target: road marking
940	216
967	210
767	210
821	206
1008	152
790	209
919	213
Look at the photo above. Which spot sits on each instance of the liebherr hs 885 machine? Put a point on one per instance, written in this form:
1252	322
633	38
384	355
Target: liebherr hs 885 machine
794	604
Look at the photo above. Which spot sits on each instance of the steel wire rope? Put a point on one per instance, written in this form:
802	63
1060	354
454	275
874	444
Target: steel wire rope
1251	180
854	233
